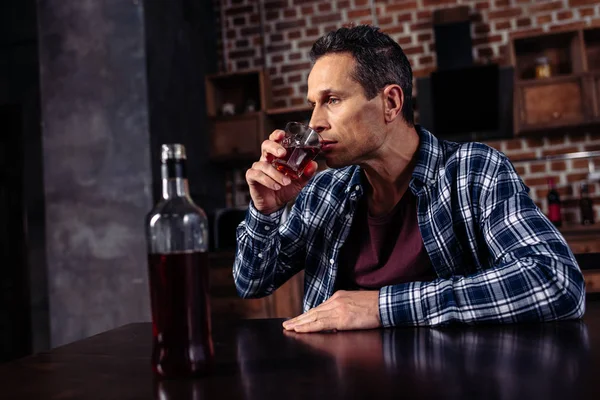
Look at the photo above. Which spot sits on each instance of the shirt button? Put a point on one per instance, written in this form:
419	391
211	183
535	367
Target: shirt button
331	261
260	255
348	216
356	188
267	228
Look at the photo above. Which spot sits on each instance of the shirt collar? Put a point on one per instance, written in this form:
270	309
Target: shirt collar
428	160
426	168
356	182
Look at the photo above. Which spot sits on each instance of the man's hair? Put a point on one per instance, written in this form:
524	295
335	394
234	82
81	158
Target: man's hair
380	61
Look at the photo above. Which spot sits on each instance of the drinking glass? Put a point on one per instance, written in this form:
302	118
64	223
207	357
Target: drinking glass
302	144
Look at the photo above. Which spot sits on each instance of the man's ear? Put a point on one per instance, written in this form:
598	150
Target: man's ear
393	97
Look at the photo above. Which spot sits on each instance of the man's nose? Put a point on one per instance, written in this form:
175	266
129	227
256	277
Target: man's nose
318	120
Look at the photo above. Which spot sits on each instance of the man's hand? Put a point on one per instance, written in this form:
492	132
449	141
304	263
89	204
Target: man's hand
343	311
270	189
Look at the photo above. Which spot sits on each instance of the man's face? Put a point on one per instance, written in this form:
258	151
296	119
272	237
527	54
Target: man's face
352	127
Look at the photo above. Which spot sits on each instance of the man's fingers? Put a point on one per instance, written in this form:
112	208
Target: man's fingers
321	324
271	147
270	150
254	177
308	316
327	305
302	318
277	135
313	316
264	173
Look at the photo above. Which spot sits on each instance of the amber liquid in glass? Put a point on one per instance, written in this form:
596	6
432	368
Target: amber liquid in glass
295	160
180	314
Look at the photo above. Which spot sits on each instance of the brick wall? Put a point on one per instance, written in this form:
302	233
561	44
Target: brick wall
278	34
568	174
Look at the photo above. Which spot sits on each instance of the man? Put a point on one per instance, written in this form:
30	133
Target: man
404	229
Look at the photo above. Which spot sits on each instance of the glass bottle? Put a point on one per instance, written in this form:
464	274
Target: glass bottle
542	68
554	214
177	237
585	206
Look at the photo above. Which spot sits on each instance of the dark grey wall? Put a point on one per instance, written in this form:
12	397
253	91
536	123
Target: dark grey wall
181	48
97	169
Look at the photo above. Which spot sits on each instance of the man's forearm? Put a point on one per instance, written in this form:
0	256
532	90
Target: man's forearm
532	289
263	260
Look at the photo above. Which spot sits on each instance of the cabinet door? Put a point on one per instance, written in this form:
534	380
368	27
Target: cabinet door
554	104
579	245
592	281
596	97
237	137
225	303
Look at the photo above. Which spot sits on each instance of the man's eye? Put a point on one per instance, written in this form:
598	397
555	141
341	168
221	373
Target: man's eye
333	100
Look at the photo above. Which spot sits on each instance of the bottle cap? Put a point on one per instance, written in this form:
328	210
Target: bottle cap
173	151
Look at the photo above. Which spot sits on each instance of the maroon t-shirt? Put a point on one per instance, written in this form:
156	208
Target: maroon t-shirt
384	250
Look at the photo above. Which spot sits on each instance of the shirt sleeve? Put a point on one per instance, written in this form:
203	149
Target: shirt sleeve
268	253
534	276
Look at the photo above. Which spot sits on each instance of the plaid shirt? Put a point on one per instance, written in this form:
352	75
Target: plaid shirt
497	257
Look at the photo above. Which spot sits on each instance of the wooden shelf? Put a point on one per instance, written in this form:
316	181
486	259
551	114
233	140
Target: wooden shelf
582	239
549	81
566	100
289	110
278	117
562	49
237	88
237	136
235	117
591	39
229	75
285	302
550	128
578	229
592	281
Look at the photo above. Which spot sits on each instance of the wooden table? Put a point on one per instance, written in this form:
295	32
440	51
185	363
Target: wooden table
257	360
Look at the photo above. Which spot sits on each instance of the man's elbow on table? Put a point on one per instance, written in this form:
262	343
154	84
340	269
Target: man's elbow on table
569	302
578	296
251	289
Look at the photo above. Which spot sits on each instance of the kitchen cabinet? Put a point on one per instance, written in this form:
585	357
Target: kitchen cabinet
584	243
285	302
239	106
236	105
557	80
237	137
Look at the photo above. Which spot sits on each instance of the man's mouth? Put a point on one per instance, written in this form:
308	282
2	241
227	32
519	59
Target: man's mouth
327	144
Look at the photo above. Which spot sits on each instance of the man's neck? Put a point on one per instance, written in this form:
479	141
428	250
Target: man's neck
389	173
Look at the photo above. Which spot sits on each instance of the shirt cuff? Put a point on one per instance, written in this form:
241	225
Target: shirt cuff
261	226
400	305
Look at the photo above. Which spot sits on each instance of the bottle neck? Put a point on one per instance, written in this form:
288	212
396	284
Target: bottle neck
172	188
174	180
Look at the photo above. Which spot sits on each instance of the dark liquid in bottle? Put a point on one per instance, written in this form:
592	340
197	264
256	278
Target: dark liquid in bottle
180	314
554	208
295	160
